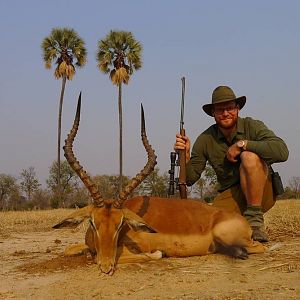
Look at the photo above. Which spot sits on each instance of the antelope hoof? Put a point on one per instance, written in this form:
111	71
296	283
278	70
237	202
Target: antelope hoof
239	252
155	255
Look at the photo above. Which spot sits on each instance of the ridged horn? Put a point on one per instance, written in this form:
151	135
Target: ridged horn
149	167
74	163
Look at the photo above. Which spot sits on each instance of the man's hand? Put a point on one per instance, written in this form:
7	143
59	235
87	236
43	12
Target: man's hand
183	142
233	153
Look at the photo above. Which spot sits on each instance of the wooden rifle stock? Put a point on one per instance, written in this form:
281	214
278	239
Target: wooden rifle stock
182	171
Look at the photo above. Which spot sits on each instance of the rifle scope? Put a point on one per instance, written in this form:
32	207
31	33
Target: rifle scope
172	173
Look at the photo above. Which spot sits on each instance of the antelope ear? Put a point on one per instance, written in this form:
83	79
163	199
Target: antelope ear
135	222
75	218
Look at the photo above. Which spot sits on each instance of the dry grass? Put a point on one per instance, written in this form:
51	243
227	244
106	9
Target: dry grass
283	218
30	221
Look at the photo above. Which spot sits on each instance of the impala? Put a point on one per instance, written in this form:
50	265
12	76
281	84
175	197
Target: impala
144	228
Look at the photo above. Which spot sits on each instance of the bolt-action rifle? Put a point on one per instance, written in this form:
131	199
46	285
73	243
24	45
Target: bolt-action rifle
181	162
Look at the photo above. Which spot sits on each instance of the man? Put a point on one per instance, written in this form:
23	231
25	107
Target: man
240	150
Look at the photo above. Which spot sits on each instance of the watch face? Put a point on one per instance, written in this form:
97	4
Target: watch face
240	144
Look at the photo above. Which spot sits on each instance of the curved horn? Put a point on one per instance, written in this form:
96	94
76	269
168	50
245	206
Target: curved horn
74	163
149	167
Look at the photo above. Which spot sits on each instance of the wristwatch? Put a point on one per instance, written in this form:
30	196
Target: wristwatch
241	144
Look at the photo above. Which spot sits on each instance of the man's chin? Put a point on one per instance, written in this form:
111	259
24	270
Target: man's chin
226	125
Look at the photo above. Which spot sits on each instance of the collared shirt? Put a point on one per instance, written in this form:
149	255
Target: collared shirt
211	146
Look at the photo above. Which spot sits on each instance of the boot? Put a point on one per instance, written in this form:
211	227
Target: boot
259	234
254	216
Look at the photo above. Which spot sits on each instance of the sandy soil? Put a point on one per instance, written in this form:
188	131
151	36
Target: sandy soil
33	266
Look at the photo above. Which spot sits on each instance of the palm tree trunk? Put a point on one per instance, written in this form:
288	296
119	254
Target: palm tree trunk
63	85
120	139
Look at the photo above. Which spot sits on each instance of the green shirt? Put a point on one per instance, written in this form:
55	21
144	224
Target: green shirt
212	146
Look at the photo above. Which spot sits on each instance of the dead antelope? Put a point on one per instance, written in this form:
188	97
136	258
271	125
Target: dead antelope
144	228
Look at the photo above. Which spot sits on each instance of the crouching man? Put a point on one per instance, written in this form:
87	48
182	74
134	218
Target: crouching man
241	151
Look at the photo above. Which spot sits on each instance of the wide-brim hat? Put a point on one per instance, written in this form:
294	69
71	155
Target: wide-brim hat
223	94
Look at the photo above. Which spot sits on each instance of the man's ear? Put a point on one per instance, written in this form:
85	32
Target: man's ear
75	218
135	222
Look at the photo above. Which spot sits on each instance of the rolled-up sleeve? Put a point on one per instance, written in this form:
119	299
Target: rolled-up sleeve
266	144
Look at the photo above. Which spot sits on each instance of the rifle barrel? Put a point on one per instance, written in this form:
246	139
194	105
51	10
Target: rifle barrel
182	153
182	103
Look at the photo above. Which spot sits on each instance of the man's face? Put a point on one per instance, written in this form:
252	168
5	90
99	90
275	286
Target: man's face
226	114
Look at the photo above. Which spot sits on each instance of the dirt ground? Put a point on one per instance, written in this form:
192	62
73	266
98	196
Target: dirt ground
33	266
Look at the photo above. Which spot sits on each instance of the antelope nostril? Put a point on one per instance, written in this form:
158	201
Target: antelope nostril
112	271
107	269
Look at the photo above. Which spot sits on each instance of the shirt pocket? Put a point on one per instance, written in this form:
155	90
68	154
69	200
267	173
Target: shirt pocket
217	164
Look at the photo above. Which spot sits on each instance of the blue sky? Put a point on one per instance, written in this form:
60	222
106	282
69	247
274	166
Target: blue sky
252	46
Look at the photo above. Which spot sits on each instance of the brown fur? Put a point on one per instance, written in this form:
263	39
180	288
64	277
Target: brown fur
174	227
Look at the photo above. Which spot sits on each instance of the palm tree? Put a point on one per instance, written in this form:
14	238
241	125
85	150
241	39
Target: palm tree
119	54
66	49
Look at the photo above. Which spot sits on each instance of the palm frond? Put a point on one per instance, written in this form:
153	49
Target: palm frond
64	45
119	54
